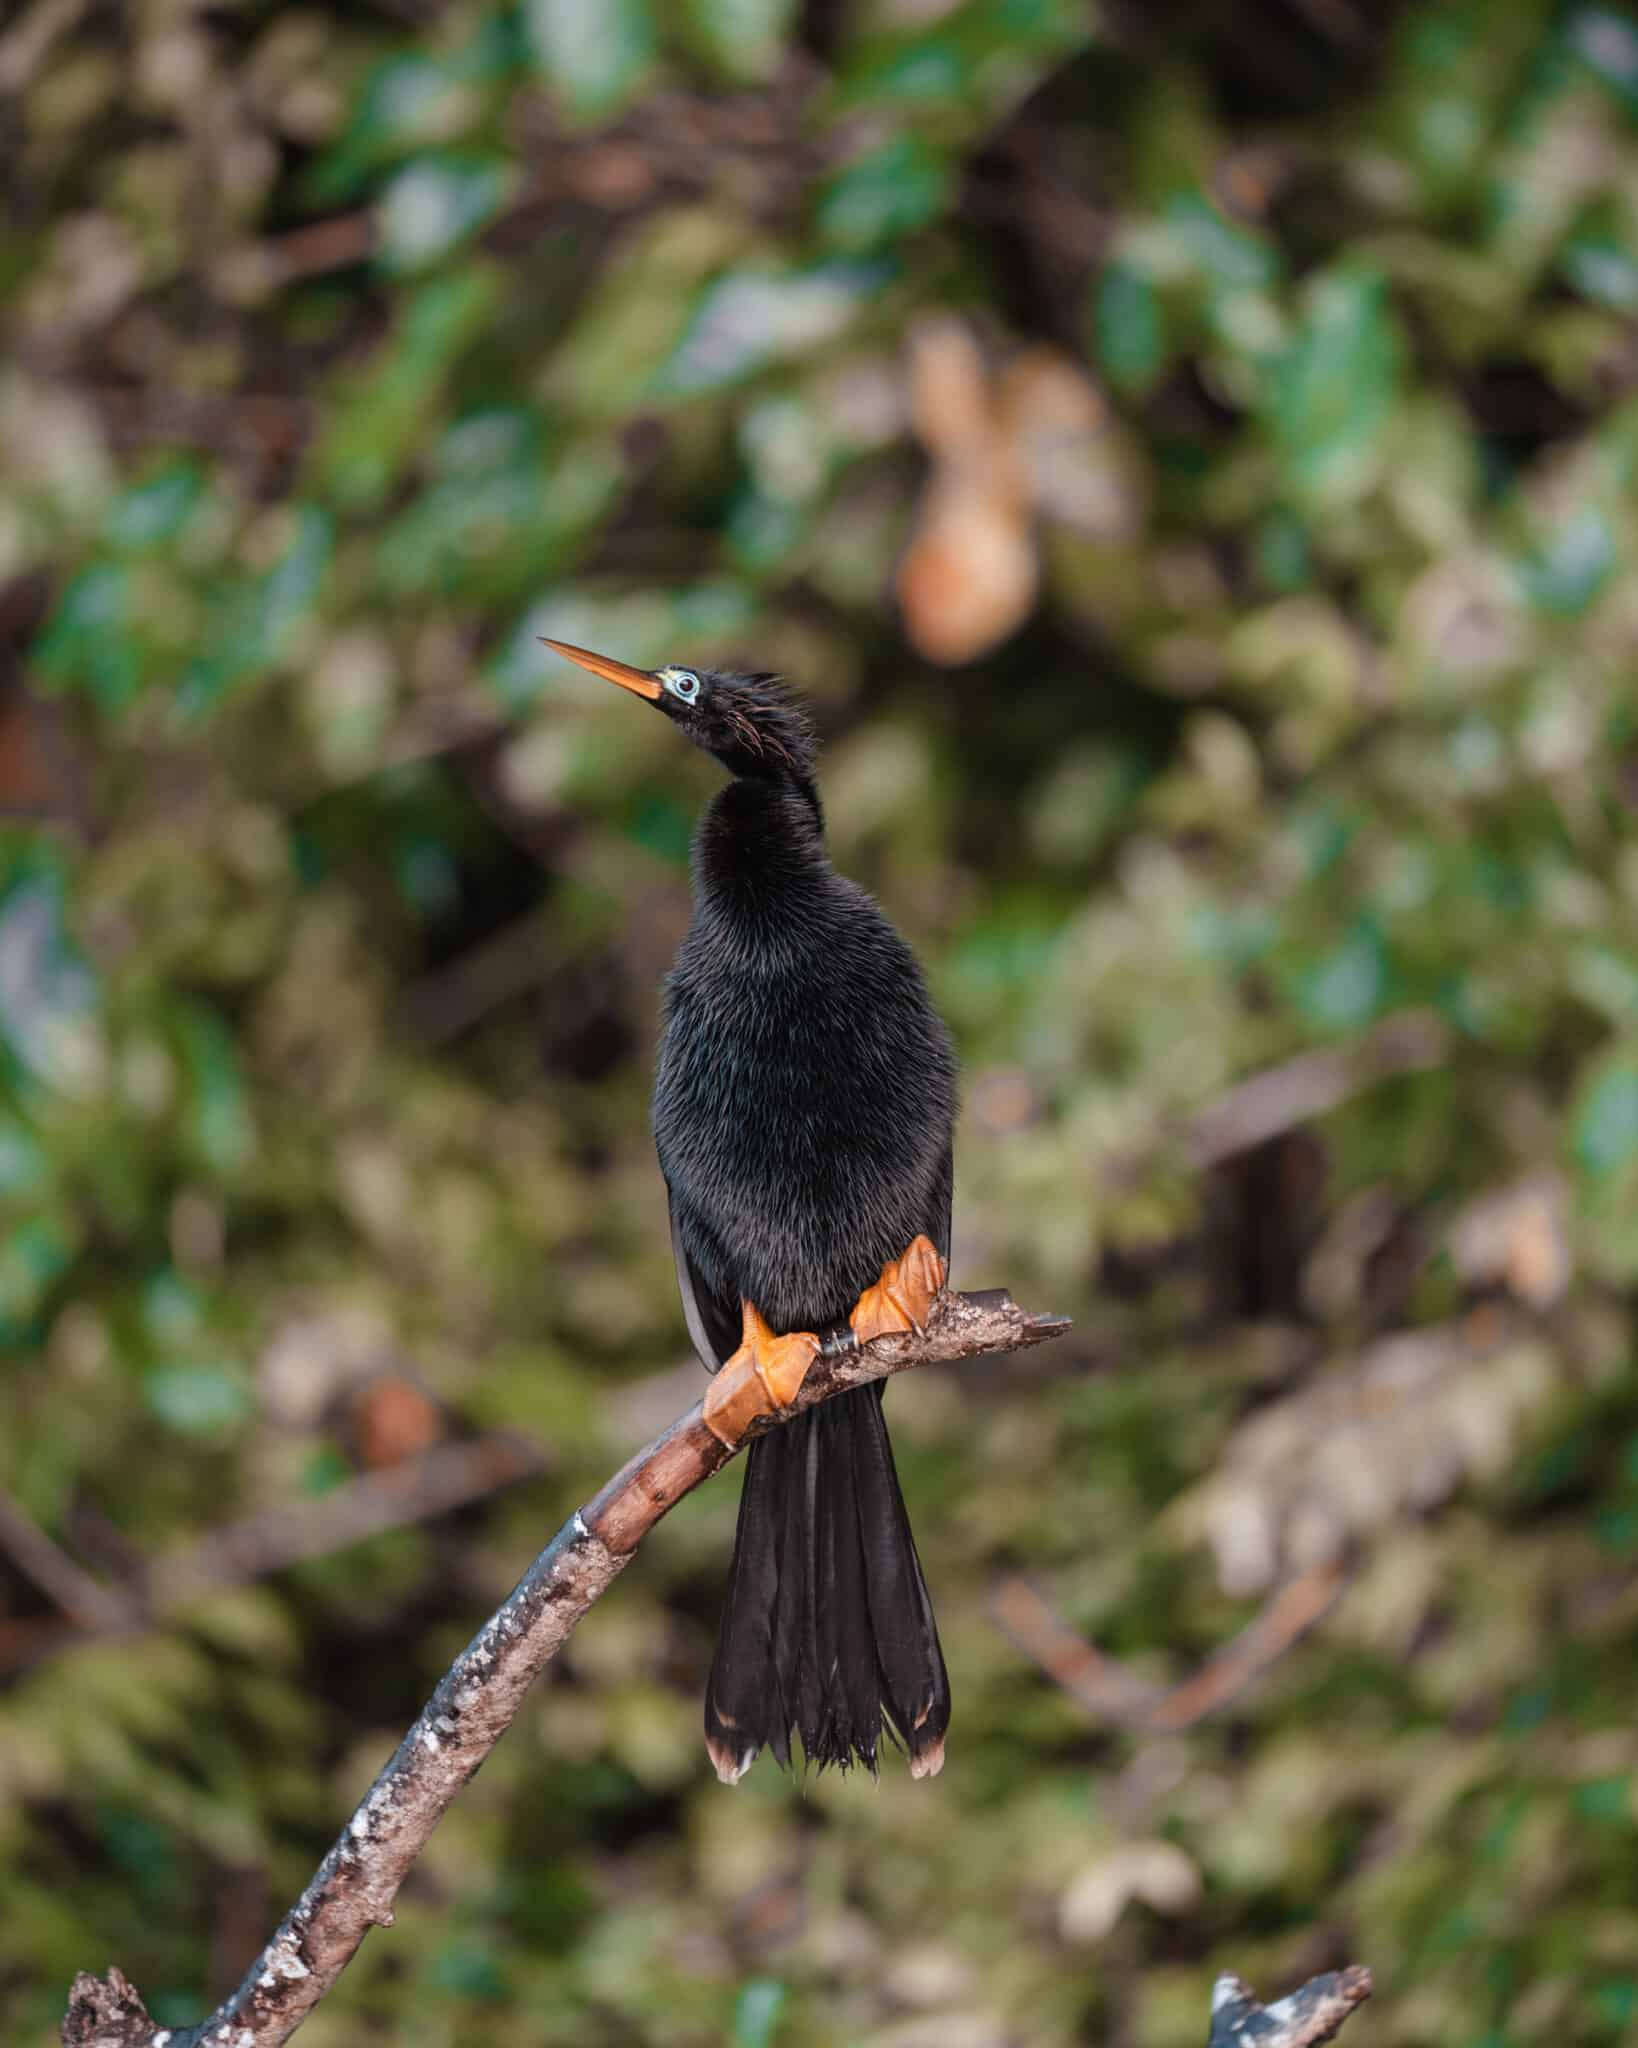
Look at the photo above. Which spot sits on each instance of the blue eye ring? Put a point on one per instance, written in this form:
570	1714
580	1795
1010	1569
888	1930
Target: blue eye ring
683	683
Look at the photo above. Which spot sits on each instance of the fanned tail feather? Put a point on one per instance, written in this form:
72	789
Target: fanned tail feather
828	1630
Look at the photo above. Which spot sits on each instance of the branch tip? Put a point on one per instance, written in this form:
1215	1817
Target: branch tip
1304	2019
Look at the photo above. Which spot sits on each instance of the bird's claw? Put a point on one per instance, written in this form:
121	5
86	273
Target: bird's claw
903	1297
762	1377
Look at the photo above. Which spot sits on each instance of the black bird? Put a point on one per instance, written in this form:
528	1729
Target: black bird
803	1112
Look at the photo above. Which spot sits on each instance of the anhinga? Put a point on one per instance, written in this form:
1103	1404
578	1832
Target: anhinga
803	1111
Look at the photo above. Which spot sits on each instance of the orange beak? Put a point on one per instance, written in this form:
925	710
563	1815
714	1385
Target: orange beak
637	680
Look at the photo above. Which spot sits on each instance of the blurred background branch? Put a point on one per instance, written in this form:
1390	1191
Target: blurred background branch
416	1489
1105	1687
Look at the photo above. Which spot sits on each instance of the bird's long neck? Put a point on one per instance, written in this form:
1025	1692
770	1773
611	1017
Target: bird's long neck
758	855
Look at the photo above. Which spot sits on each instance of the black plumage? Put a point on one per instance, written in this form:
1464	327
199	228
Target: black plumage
803	1112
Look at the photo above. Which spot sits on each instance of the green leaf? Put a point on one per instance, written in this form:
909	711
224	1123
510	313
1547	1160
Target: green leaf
1600	263
464	1966
324	1471
90	640
34	1254
1330	393
506	512
376	417
196	1400
756	2012
1605	979
1280	546
1128	326
172	1308
968	67
219	1120
48	994
743	39
1229	257
635	315
922	73
762	530
1604	1123
24	1166
1238	935
407	102
594	52
413	101
256	618
1345	988
1606	41
1572	565
756	317
149	514
663	826
888	192
435	204
427	874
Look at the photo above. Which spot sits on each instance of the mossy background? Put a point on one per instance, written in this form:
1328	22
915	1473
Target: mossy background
1250	395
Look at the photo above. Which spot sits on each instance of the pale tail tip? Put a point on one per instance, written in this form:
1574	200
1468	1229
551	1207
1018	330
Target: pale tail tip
729	1766
927	1763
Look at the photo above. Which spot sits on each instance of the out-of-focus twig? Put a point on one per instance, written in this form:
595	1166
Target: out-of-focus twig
1311	1085
1336	21
267	428
1303	2020
451	999
680	141
28	40
479	1697
84	1600
418	1490
336	243
1105	1686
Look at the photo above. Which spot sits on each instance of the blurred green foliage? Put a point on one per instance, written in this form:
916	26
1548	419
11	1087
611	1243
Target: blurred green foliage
349	346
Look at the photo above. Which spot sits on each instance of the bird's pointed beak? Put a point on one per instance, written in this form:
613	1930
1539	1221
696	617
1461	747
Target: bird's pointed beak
637	680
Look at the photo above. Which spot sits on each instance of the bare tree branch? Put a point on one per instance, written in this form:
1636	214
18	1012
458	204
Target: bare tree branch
1307	2017
479	1696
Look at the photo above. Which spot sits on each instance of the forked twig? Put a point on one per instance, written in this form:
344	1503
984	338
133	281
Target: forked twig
1105	1686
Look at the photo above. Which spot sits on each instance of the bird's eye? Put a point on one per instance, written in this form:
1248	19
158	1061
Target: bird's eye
682	682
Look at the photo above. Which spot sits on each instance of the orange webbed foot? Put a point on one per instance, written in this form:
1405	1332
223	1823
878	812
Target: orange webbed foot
763	1376
903	1297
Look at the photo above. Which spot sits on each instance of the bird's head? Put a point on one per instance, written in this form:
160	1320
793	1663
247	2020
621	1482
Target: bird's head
749	722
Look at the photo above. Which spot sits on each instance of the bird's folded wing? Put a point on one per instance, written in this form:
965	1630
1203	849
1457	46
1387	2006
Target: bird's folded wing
713	1324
